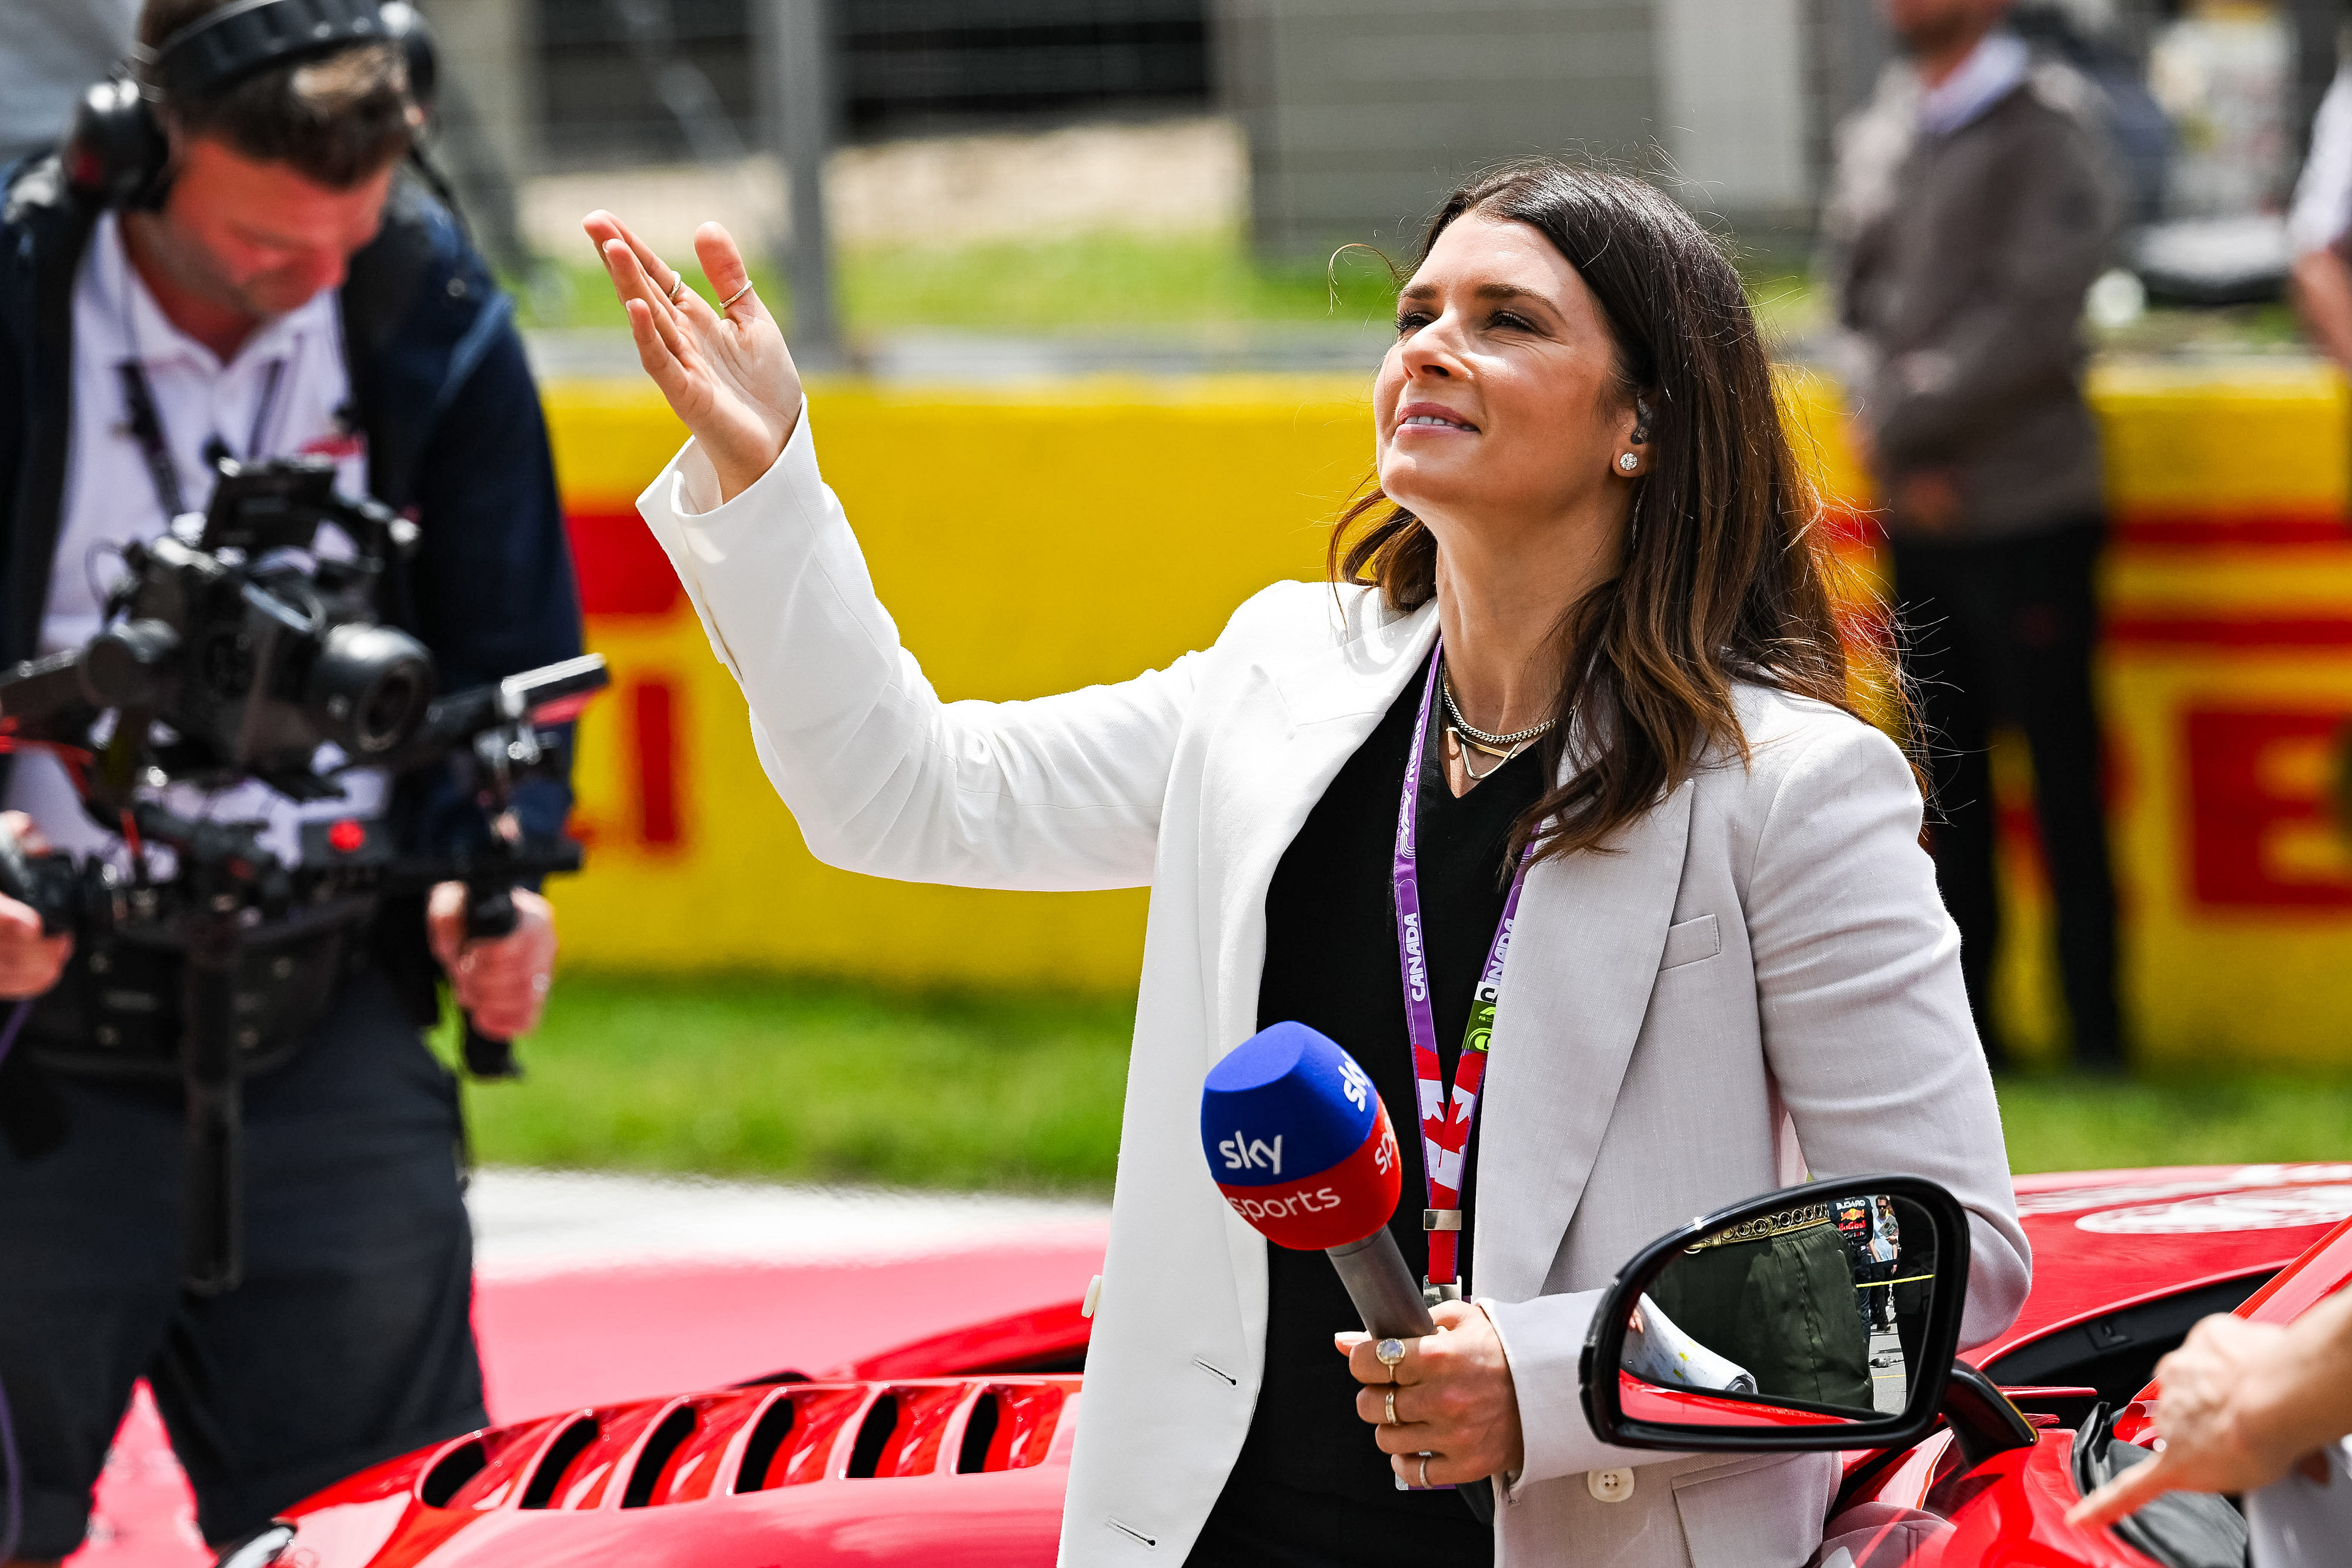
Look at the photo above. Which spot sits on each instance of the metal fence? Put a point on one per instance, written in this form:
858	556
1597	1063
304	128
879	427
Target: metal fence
630	80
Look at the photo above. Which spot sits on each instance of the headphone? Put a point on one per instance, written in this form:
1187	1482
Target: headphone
116	154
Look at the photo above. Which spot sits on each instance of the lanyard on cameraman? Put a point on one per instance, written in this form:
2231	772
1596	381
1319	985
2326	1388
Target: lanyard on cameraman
146	424
1445	1118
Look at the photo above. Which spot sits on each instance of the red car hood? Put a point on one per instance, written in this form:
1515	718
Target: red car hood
957	1440
2104	1240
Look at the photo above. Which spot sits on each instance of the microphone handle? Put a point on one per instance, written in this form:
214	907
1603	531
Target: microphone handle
1389	1300
1387	1296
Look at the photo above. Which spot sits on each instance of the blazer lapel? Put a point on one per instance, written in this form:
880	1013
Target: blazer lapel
1576	986
1330	702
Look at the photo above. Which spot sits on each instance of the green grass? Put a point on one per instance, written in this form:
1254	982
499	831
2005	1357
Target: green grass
813	1083
2064	1123
1087	281
809	1080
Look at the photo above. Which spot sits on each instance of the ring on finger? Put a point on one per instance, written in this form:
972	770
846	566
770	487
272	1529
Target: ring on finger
1424	1472
1388	1353
1392	1419
677	288
737	295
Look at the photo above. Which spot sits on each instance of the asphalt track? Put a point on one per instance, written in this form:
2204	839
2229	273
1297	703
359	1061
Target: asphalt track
590	1289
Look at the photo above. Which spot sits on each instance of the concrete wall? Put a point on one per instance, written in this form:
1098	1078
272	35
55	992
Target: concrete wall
485	52
1361	114
1732	84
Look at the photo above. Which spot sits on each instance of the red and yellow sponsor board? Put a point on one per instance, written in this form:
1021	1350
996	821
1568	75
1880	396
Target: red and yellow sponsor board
1031	540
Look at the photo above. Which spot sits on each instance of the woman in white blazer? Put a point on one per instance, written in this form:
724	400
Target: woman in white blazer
1589	586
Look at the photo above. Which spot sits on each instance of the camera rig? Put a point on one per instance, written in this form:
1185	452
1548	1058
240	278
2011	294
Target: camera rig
233	649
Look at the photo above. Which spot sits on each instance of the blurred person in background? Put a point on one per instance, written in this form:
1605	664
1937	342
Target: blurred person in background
1972	207
2319	225
50	51
262	283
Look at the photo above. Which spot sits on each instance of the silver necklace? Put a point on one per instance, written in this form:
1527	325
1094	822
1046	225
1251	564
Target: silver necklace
1463	748
1468	731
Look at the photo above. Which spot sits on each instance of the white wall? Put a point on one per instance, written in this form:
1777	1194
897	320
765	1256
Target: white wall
1732	94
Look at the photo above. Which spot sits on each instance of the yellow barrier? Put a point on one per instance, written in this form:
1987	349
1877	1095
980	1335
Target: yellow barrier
1030	541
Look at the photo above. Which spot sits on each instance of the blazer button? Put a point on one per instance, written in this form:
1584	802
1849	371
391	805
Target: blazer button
1609	1486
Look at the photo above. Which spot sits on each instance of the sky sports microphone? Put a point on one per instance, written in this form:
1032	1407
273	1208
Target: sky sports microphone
1301	1147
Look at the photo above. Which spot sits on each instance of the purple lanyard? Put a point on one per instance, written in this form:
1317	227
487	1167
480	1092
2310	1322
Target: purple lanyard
1444	1128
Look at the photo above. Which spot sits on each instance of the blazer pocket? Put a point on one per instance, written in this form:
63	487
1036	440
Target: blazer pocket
1690	942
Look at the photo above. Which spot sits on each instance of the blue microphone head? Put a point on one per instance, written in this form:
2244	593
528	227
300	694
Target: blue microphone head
1297	1140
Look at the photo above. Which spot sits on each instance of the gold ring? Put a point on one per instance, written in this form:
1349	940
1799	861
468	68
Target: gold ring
1424	1472
737	295
677	288
1388	1353
1392	1419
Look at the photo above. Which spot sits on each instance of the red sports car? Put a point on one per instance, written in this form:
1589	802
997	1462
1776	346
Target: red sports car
955	1448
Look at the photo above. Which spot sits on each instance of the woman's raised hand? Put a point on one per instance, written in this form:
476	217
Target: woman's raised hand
727	373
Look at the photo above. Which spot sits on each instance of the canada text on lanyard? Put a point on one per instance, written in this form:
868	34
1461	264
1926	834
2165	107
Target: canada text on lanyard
1445	1120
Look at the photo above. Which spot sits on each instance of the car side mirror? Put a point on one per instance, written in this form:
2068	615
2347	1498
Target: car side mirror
1824	1316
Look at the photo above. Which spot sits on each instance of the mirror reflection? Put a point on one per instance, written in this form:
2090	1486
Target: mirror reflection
1817	1310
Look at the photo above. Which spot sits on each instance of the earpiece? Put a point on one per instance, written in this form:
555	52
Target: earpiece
115	152
1641	419
115	149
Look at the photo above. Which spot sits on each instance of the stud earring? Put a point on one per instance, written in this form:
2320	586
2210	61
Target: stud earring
1628	463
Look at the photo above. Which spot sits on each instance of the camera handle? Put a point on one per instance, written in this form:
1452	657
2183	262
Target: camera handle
213	1257
490	914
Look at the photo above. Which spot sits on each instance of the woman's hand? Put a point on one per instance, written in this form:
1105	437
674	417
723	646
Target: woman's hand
1454	1400
726	373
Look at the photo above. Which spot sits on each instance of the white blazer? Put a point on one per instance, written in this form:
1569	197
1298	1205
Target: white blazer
1762	962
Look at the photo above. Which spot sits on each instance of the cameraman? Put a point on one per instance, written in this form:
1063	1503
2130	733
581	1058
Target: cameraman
273	287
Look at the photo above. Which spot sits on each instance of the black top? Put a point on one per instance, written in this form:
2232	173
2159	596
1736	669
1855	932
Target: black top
1310	1488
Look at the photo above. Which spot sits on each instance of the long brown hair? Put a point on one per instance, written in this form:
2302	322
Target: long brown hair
1724	577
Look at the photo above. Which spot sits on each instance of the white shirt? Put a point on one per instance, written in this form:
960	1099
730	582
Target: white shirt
2323	193
280	396
1990	74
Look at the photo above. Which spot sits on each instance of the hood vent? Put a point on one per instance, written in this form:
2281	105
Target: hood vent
558	1460
737	1440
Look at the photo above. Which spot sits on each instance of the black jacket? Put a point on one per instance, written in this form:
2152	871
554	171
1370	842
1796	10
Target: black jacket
455	435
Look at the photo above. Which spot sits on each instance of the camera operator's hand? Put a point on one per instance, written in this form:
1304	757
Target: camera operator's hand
30	963
726	373
502	981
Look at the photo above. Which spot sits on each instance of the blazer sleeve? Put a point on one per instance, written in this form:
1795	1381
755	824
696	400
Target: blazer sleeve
1866	1022
882	777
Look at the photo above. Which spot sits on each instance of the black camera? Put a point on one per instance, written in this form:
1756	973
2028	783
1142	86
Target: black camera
248	644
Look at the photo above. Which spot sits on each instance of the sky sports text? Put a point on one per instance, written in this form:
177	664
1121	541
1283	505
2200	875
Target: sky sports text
1244	1152
1289	1207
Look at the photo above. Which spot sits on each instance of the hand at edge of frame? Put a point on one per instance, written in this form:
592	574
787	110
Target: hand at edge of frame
727	375
2211	1441
30	963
